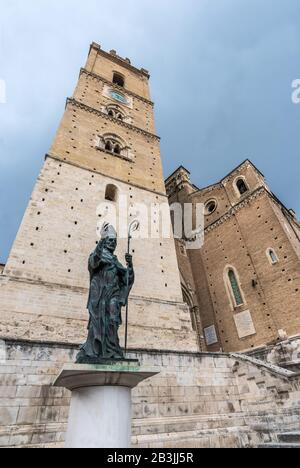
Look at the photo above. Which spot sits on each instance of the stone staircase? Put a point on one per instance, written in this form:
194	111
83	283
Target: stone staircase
285	440
277	393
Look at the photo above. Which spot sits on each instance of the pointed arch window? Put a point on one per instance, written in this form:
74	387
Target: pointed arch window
235	288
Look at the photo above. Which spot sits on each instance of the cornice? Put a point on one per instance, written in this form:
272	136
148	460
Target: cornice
113	85
92	110
254	195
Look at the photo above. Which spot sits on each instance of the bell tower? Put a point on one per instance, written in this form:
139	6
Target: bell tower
105	147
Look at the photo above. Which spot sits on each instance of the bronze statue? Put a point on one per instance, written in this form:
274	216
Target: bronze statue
110	285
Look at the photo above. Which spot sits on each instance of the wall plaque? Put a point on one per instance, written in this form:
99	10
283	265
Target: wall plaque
244	324
210	335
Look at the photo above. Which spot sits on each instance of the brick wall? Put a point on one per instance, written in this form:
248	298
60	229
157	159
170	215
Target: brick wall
238	235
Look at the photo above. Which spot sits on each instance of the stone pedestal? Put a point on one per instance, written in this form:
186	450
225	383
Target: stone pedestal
100	413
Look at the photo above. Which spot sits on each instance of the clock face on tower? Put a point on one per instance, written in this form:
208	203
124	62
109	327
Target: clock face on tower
118	97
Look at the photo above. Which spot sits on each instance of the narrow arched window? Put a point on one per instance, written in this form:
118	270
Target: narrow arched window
111	113
117	149
115	145
235	288
242	186
120	117
118	79
108	146
111	193
272	256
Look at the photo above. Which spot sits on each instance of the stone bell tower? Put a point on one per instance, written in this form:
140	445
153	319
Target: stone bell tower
105	147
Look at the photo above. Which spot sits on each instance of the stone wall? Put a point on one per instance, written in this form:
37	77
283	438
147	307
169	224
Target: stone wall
44	288
198	400
102	63
285	354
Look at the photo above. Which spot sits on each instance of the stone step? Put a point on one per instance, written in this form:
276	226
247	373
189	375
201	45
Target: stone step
279	445
290	437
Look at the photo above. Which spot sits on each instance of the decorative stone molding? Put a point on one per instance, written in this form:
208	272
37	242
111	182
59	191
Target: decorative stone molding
113	85
92	110
114	145
237	172
234	174
220	185
115	111
254	195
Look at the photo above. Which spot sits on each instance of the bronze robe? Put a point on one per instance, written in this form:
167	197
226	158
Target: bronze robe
110	287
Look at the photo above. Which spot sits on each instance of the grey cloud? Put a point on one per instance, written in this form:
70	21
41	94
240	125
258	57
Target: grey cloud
221	79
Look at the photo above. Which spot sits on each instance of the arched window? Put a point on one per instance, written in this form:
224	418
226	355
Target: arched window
114	111
111	193
272	256
241	186
115	145
235	288
108	146
118	79
117	149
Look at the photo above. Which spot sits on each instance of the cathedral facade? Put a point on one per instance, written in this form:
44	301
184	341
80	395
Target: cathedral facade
243	285
205	395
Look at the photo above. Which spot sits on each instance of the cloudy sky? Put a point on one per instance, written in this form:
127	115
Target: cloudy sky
221	79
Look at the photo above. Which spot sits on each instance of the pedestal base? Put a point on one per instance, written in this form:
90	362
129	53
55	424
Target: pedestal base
100	413
100	417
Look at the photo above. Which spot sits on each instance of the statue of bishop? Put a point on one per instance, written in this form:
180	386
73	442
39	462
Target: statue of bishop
110	286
